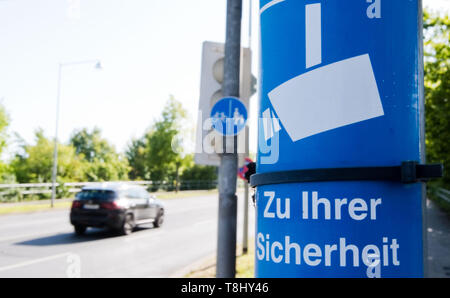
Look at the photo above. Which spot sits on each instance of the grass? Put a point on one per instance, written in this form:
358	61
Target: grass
27	208
184	194
244	265
36	206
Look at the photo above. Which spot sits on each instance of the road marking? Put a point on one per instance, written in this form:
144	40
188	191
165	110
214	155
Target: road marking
193	209
269	5
32	262
148	236
32	222
35	235
201	223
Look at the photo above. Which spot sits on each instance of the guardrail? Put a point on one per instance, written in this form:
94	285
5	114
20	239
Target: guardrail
14	192
43	188
443	194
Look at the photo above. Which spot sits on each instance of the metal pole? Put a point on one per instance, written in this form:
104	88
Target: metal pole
245	232
58	99
55	149
245	222
226	242
422	138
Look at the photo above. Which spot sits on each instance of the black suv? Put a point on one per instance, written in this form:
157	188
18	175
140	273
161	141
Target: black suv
117	206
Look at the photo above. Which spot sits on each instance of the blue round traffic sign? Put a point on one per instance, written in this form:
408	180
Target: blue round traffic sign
229	116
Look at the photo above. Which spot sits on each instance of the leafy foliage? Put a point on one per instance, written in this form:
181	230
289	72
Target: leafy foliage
160	158
90	157
152	156
136	155
4	123
204	175
101	162
35	164
437	89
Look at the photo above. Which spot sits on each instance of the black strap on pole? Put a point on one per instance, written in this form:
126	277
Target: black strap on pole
408	172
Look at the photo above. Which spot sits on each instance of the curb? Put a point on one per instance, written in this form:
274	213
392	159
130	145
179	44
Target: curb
201	264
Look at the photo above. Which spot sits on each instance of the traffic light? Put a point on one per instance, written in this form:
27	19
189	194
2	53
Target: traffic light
209	143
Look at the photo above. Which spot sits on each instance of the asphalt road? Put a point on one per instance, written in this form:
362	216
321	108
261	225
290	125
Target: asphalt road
43	244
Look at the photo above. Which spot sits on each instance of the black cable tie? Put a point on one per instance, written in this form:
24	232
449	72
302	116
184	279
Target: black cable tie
408	172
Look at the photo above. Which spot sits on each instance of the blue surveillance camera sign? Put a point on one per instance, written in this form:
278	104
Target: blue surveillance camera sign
341	88
229	116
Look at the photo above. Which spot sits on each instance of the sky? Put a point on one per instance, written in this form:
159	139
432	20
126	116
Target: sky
149	50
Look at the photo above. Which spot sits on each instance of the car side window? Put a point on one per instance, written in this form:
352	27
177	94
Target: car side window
132	194
136	193
144	194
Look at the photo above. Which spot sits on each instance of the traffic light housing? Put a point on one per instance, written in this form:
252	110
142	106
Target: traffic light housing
208	143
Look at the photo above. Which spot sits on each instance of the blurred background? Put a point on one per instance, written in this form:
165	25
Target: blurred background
127	75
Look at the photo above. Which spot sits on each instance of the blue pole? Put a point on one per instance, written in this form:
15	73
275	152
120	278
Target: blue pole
342	87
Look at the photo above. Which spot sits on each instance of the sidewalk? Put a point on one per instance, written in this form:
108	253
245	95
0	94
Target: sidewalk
438	242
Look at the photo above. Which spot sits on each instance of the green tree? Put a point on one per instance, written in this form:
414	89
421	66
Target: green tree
158	155
101	162
437	89
34	164
198	177
4	123
161	160
90	144
137	159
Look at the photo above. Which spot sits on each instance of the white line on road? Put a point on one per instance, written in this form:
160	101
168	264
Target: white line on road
32	222
193	209
34	235
147	235
205	222
32	262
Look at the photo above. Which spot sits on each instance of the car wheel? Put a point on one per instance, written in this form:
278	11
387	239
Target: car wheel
128	225
159	219
80	230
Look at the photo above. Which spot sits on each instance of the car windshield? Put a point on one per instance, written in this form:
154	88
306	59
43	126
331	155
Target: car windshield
102	195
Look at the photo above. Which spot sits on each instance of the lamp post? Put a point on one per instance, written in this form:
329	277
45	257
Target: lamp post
55	150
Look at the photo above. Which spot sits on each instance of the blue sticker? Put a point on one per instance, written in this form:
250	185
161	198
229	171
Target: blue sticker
340	87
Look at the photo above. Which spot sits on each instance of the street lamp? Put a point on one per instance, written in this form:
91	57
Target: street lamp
98	65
